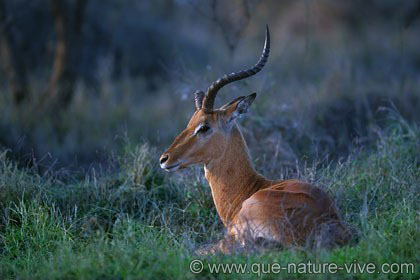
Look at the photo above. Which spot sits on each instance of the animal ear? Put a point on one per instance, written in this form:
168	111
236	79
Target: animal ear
238	106
198	97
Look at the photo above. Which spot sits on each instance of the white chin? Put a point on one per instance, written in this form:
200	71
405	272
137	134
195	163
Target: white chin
171	168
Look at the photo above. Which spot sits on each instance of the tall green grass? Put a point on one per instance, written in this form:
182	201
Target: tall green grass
141	223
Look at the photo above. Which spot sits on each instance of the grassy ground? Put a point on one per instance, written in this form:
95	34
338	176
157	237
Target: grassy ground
81	199
141	223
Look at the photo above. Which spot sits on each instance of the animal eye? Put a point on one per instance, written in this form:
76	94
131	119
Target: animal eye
203	129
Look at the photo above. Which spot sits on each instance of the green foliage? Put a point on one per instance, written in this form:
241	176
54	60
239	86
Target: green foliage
141	223
79	200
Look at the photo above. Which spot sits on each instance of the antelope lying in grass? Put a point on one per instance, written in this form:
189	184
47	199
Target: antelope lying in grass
251	207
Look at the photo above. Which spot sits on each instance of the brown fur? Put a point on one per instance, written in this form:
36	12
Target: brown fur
251	207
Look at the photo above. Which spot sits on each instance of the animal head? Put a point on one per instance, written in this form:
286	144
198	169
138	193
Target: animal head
209	130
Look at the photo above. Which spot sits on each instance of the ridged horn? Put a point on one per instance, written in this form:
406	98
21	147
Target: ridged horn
208	102
198	97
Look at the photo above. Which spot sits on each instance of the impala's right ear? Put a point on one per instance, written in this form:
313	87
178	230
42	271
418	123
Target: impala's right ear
238	107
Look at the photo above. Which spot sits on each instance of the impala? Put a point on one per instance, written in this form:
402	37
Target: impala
251	207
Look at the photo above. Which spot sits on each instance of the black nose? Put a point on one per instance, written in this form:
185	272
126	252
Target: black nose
163	158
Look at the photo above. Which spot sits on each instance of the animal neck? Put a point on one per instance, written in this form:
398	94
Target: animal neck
232	177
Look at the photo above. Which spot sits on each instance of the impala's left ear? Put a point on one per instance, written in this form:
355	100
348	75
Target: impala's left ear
238	106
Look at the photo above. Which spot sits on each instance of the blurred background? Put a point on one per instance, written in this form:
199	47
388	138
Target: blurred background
81	80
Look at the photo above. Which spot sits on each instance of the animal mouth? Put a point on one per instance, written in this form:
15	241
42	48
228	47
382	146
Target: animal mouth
172	167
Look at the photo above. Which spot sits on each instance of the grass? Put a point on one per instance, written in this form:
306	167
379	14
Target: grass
140	223
80	199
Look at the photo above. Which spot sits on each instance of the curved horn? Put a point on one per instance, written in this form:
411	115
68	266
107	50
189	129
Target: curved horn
208	102
198	97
